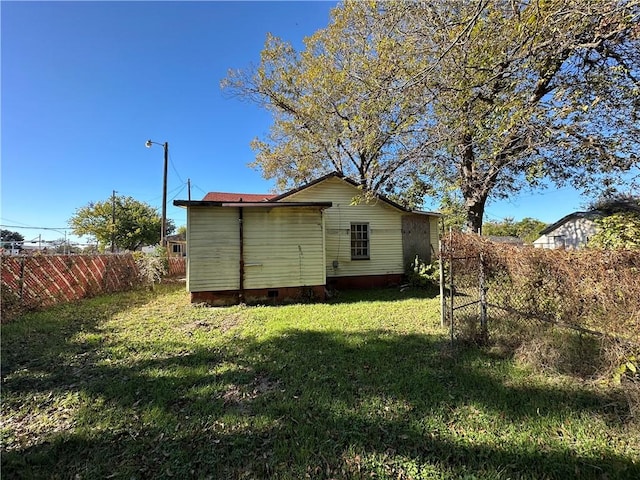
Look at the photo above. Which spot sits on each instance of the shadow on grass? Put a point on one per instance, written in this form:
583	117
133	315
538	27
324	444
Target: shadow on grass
322	404
39	340
389	294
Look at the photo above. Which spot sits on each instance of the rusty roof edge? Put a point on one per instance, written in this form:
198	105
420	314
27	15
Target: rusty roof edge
209	203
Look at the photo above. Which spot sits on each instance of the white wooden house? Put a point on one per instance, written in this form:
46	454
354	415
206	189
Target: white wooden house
570	232
257	248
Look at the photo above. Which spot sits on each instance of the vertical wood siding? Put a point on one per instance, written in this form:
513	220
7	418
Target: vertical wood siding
434	233
283	247
214	249
385	229
416	238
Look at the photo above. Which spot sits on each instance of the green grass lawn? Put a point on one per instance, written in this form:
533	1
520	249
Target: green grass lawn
145	385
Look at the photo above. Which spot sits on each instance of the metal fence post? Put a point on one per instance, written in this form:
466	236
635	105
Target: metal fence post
483	301
451	291
443	304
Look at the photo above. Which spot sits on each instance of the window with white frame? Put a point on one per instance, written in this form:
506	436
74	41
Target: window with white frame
360	241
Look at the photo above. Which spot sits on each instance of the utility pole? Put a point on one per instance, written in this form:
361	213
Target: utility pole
163	236
113	222
163	228
189	189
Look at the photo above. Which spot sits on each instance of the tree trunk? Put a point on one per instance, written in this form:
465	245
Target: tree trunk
475	212
471	185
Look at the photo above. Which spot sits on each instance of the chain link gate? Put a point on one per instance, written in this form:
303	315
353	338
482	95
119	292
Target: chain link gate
463	293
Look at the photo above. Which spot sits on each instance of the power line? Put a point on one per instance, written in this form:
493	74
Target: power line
15	221
196	186
36	228
181	189
174	168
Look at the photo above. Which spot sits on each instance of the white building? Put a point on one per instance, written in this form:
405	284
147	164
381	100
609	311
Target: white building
570	232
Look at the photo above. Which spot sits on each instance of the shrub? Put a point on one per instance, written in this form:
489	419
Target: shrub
620	230
535	294
422	274
152	266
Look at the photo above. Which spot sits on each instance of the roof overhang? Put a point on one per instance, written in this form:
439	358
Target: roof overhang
431	214
206	203
590	215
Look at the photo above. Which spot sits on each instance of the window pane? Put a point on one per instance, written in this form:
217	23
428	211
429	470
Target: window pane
359	240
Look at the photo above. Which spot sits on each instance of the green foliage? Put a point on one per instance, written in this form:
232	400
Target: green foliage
10	305
620	230
9	236
527	229
527	91
482	97
620	227
337	105
136	223
422	274
455	216
629	369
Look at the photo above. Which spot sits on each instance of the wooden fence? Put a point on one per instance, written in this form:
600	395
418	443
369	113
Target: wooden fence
31	282
177	266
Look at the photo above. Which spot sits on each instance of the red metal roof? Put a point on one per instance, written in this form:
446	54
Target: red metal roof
237	197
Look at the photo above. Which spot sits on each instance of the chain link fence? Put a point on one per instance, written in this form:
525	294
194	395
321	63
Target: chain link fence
492	289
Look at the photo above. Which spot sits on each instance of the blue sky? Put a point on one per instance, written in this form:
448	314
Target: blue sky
85	84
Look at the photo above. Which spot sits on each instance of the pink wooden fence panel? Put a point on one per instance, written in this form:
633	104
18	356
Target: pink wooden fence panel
177	266
44	280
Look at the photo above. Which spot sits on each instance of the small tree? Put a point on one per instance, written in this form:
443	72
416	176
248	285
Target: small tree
7	237
129	223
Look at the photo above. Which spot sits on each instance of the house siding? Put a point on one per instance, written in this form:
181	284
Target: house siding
385	223
417	239
573	234
434	235
283	247
214	249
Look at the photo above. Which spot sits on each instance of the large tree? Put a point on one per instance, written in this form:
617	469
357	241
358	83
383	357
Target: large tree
480	97
136	223
337	105
532	91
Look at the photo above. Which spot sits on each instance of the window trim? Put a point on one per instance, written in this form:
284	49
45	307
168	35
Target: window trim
365	244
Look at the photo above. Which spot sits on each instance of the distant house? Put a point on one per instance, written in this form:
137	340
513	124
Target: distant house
177	245
507	239
571	232
254	248
13	247
30	248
